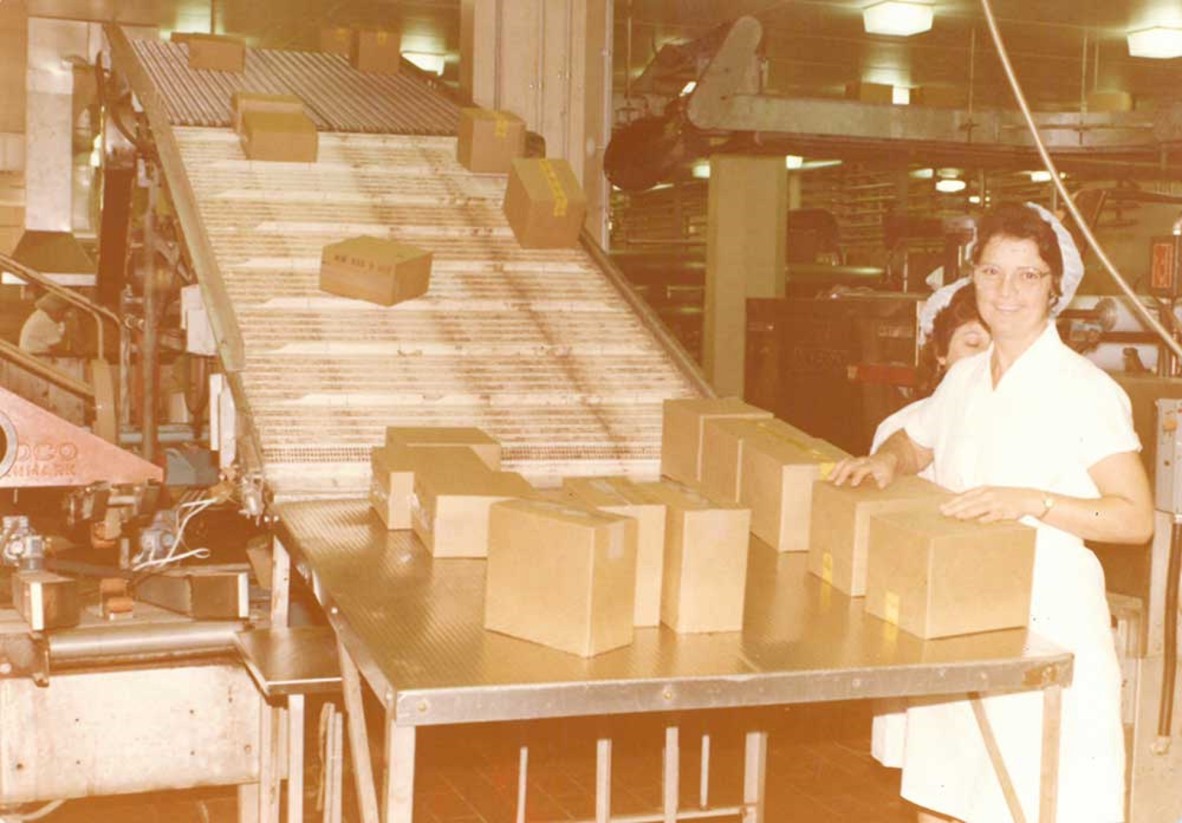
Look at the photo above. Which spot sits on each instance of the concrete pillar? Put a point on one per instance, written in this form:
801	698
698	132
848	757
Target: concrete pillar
745	242
549	62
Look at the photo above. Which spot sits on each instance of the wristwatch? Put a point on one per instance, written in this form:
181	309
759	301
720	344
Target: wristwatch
1048	503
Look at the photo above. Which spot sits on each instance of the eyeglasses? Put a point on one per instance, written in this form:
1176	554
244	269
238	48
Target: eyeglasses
992	276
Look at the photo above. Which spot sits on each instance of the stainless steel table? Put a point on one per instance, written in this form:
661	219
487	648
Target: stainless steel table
413	625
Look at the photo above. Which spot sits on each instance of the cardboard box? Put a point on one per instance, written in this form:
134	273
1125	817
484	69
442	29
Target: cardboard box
380	271
722	451
618	495
215	52
1109	101
544	204
839	529
486	448
219	592
392	480
283	137
938	97
489	140
337	40
704	580
682	427
562	576
936	576
449	512
870	92
376	51
779	470
244	101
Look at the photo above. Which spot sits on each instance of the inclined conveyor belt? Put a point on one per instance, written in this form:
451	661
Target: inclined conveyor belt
546	350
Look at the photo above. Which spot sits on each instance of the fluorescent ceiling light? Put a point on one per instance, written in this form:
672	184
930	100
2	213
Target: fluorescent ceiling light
430	63
793	161
1040	176
923	174
1159	42
701	170
900	18
975	199
948	186
689	87
900	95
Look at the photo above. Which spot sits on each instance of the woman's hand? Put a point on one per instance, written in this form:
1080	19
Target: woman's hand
882	466
990	504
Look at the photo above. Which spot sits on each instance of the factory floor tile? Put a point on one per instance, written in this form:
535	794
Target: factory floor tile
818	771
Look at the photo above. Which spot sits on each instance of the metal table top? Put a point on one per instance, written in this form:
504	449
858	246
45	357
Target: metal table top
300	660
415	627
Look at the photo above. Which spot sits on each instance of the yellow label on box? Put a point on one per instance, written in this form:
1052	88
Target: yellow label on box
827	567
826	469
560	199
890	608
501	129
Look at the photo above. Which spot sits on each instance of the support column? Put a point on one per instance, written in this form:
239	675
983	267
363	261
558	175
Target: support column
745	242
548	62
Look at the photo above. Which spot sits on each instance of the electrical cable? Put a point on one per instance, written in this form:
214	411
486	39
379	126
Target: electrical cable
1049	165
17	817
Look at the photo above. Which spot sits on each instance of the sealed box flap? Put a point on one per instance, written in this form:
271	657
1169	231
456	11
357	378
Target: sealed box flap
565	512
493	115
928	523
683	498
287	122
370	254
551	182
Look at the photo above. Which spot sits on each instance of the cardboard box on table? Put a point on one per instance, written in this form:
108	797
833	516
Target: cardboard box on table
215	52
704	580
376	51
279	136
544	203
683	423
379	271
839	526
619	495
722	451
485	447
337	40
779	469
244	101
561	575
936	576
488	141
449	512
392	483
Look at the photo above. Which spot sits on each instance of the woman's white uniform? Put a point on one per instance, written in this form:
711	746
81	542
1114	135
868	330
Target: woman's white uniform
1052	416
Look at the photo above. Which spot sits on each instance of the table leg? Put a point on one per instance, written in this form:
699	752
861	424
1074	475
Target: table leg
522	783
280	584
1052	704
603	780
335	766
754	777
704	782
270	723
672	780
295	758
248	803
367	801
400	772
999	767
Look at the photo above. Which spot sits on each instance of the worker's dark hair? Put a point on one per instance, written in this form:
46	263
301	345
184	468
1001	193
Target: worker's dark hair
1021	222
960	310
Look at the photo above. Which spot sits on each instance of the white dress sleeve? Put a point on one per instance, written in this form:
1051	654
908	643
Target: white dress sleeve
893	422
1104	424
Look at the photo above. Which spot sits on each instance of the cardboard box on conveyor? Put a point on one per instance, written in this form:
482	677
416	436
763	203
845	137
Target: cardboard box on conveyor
337	40
722	451
379	271
682	428
485	447
376	51
619	495
215	52
450	509
704	579
279	136
561	575
244	101
544	203
839	527
936	576
488	141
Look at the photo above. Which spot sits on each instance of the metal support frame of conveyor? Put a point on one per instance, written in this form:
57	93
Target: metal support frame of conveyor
223	321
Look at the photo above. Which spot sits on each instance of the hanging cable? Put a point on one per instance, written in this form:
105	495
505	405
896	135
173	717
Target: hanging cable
1138	307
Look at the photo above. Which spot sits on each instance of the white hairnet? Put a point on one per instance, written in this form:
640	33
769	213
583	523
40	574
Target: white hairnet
1073	271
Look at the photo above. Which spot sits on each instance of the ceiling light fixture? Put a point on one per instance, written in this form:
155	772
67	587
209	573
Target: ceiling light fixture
949	186
430	63
900	95
689	87
1157	42
1040	176
701	170
898	18
793	161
